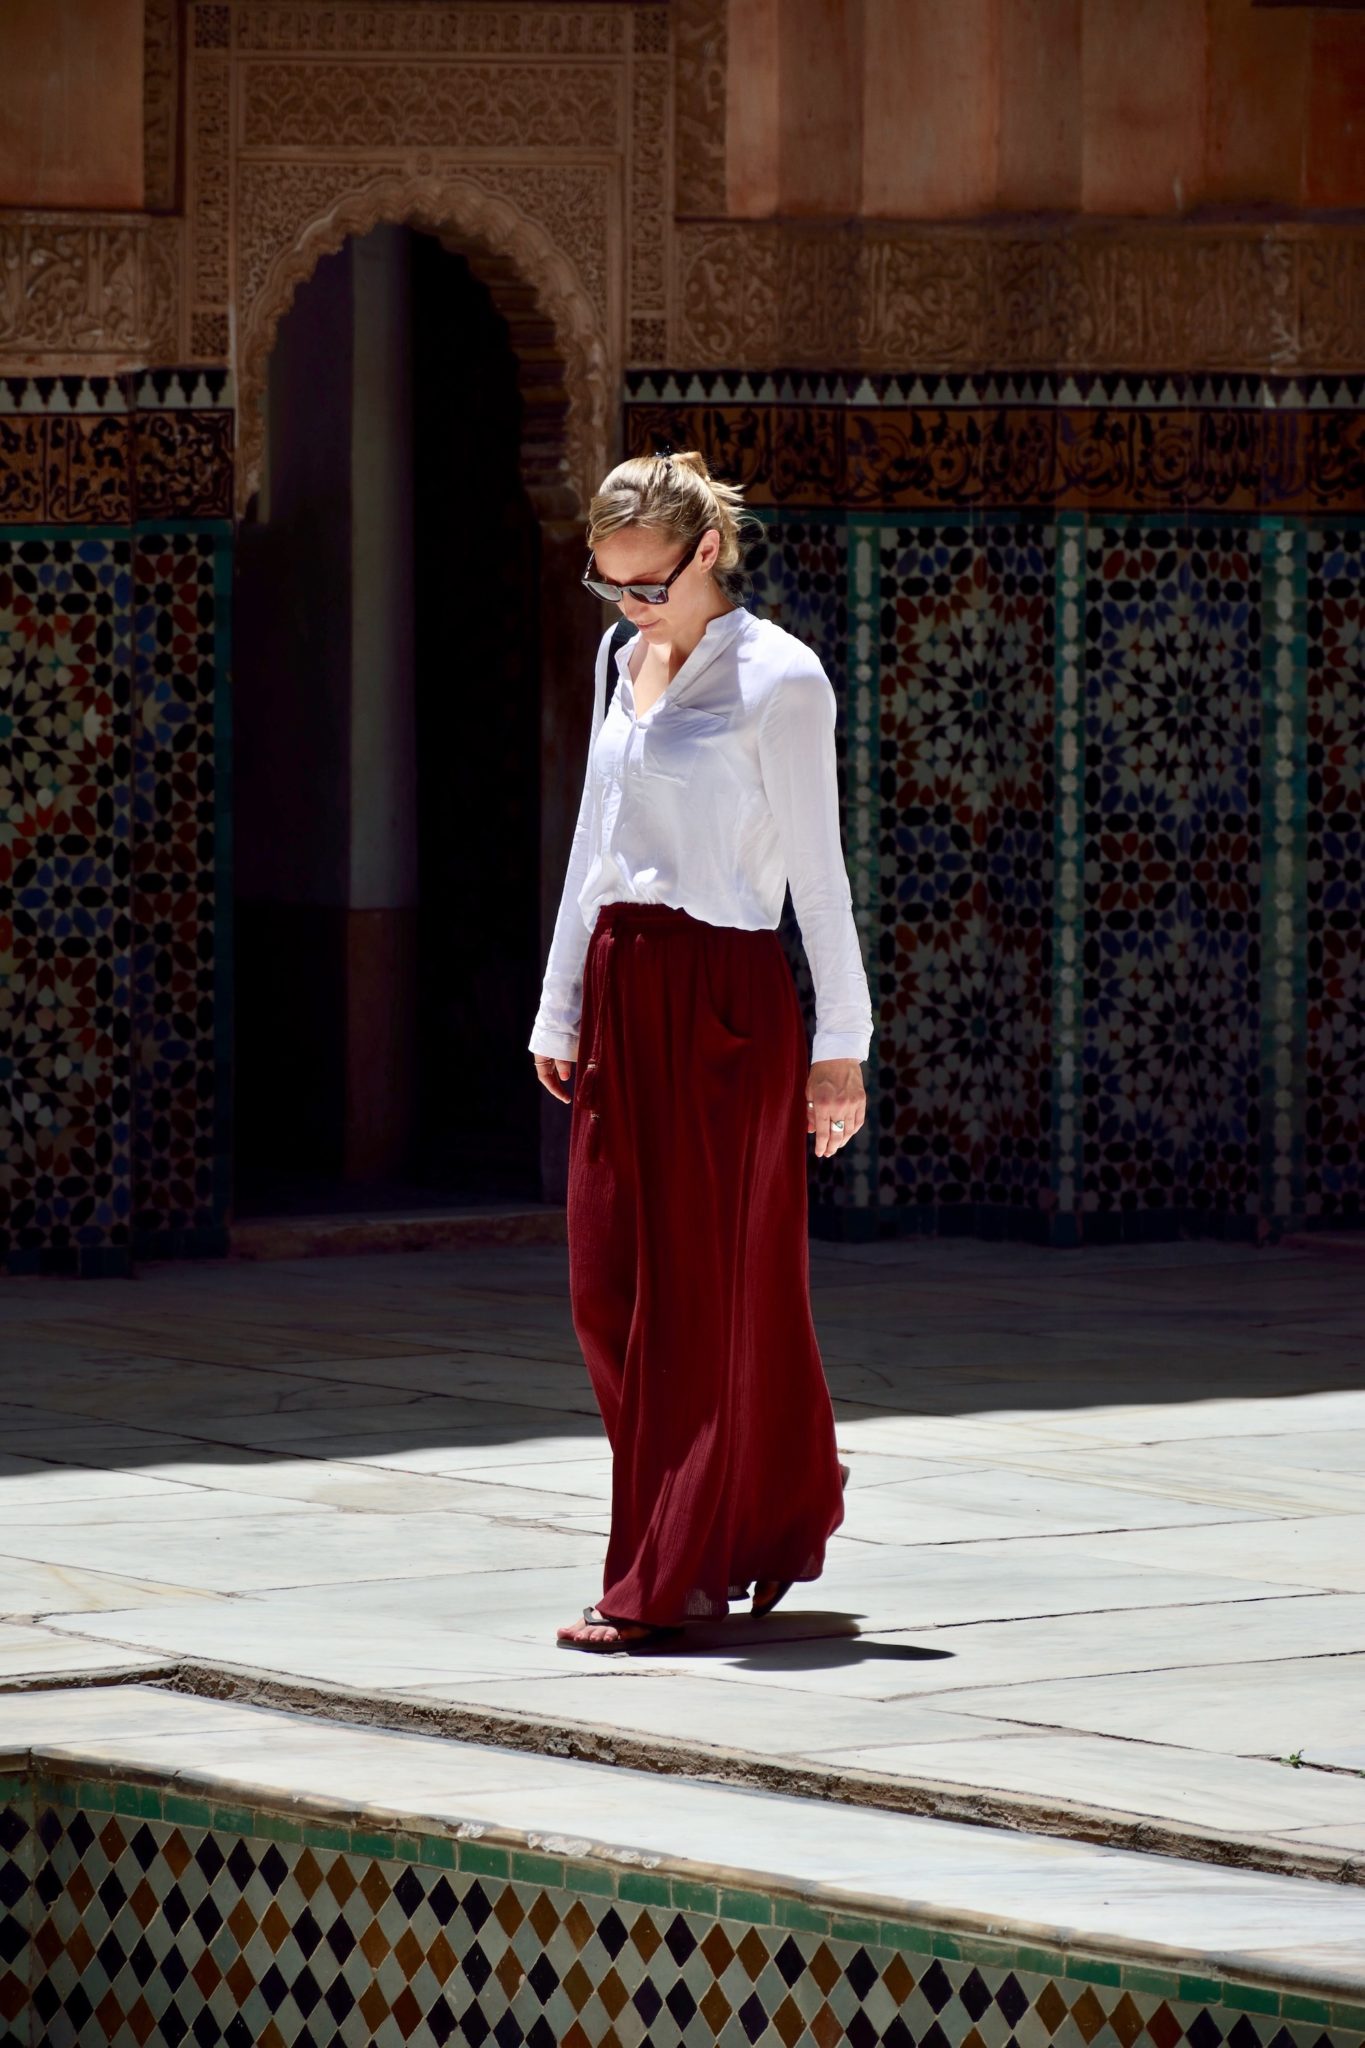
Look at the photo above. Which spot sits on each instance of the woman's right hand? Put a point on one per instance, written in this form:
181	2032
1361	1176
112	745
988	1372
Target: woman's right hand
554	1073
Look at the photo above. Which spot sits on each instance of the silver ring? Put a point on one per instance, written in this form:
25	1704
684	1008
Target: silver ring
836	1127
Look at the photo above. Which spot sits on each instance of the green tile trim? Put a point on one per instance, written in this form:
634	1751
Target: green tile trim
127	530
755	1907
233	1820
689	1897
1251	1998
379	1846
1314	2012
915	1940
1284	861
184	1812
225	933
142	1802
1201	1990
1042	1962
800	1917
852	1927
321	1835
483	1861
1092	1970
643	1888
528	1868
275	1827
860	711
14	1788
1348	2019
579	1877
1156	1983
985	1949
1067	1171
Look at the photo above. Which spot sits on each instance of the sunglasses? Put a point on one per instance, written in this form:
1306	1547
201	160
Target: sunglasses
644	593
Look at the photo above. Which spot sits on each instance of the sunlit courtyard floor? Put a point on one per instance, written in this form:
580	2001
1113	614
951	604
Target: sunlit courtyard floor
1104	1550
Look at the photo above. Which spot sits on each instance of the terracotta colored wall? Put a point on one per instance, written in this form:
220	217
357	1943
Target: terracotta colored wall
948	109
930	91
71	120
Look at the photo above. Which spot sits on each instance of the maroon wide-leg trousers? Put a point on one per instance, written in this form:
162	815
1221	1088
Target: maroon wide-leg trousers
689	1266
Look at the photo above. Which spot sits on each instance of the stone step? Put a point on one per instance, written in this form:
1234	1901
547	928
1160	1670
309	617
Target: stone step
454	1229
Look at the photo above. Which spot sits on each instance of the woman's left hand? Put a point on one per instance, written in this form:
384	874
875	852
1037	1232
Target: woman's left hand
834	1094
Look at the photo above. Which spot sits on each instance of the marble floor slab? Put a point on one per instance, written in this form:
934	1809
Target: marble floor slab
246	1554
1105	1525
29	1651
1262	1708
1150	1778
1188	1913
1321	1550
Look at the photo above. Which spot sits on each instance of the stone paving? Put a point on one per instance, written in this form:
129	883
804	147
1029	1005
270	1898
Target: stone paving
1104	1547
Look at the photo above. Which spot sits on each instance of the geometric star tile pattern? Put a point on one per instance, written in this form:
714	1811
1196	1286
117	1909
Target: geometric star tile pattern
1146	1024
1335	875
1183	750
66	687
113	1007
180	996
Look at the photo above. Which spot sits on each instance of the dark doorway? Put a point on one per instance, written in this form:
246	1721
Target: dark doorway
477	560
381	1023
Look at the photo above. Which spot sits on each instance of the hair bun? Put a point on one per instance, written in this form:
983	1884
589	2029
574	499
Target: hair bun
673	492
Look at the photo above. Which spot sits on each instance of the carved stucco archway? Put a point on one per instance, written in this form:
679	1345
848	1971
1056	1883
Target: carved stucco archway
554	330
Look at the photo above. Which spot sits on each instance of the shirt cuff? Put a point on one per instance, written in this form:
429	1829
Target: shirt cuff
840	1045
557	1045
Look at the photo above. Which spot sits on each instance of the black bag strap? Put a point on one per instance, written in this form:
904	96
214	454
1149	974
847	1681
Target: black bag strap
620	633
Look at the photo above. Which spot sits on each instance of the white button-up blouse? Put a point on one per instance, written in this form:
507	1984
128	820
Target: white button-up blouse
722	793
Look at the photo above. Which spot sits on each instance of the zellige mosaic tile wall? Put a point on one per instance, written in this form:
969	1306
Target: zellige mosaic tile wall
130	1913
1098	653
115	569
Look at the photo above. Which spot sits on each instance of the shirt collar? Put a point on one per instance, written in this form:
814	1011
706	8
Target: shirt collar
717	633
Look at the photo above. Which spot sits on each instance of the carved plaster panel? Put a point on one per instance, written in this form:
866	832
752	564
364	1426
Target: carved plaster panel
649	154
493	30
163	262
563	449
276	202
210	178
1092	297
160	104
70	286
439	106
699	99
572	203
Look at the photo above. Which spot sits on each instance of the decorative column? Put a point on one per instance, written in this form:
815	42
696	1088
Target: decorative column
381	922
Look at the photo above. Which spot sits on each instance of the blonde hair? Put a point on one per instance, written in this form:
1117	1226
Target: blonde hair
674	495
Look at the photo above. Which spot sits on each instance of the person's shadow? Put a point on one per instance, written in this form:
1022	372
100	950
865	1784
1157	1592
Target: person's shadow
805	1640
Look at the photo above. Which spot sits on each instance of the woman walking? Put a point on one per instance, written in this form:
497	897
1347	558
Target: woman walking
711	784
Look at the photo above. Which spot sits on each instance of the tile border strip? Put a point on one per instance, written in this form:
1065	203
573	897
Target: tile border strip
862	713
754	1899
1284	801
1068	886
944	387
